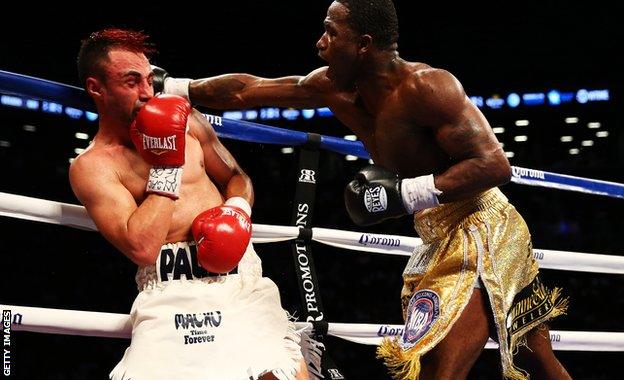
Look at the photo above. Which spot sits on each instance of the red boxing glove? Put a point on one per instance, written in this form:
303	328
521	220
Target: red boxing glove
158	133
222	235
159	130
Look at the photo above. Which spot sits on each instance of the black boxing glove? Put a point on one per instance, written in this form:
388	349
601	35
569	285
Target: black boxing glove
158	80
163	83
377	194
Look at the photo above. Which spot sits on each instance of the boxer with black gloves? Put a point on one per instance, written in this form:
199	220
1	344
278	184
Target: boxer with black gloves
377	194
165	84
416	120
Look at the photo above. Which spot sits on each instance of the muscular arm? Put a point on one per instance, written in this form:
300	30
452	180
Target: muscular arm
219	163
243	90
137	231
462	131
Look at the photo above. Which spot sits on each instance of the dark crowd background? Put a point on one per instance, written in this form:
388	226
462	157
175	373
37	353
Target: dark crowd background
524	47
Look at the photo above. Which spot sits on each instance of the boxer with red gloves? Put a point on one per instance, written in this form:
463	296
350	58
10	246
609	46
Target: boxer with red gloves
129	181
159	135
222	234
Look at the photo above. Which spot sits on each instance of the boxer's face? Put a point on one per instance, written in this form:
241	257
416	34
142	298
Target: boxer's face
339	47
127	84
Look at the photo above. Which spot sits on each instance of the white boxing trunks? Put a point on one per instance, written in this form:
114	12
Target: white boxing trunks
189	324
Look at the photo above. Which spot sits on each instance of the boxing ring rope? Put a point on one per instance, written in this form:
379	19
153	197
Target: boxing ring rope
23	85
117	325
40	210
113	325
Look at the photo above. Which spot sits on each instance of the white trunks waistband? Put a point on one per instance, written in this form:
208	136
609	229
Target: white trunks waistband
175	261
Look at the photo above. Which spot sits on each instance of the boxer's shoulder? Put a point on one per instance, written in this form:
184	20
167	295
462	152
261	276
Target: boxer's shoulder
96	165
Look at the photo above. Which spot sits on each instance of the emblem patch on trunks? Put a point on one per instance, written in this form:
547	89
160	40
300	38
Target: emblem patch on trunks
423	310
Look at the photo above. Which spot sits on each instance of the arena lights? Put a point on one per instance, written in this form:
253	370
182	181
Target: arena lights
291	114
556	98
566	138
251	115
5	144
324	112
498	130
587	143
287	150
552	98
52	107
349	157
494	102
571	120
584	96
81	136
513	100
307	113
521	138
45	106
78	150
29	128
91	116
11	101
233	115
270	113
16	101
602	134
477	101
32	104
521	123
573	151
73	113
510	154
533	98
593	125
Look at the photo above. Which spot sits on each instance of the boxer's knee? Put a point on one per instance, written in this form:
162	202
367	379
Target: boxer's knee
538	358
442	366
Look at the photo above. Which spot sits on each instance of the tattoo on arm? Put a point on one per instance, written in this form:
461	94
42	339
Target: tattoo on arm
226	88
468	135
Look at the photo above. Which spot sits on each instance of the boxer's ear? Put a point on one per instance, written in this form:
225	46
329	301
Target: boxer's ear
94	87
365	42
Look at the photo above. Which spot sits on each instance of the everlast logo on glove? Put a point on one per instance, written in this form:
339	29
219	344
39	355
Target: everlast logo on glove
159	145
242	219
375	199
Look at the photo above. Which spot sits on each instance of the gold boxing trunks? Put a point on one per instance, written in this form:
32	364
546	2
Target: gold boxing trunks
484	238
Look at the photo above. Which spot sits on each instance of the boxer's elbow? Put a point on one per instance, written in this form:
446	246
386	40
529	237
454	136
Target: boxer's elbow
506	173
500	170
142	256
141	251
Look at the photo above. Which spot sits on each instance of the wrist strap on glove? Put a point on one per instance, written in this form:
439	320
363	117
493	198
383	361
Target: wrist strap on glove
177	86
239	202
165	180
419	193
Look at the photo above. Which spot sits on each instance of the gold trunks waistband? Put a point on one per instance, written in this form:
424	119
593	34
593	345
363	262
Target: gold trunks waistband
436	223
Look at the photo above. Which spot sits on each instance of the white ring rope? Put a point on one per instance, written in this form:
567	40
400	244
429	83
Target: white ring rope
111	325
21	207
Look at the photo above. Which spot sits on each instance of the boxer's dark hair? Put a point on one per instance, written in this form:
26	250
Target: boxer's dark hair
377	18
94	49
